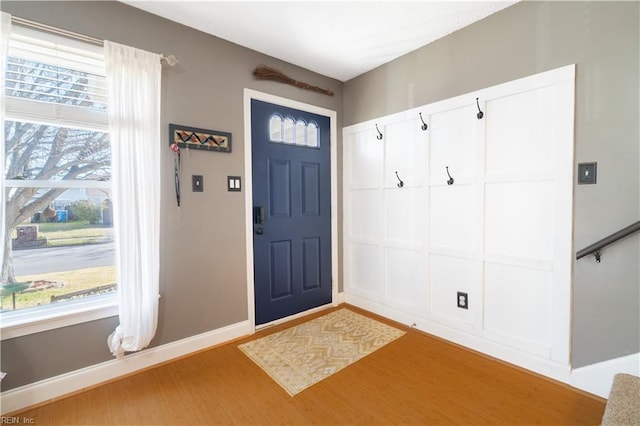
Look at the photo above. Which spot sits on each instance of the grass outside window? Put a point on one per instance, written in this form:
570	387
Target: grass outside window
46	285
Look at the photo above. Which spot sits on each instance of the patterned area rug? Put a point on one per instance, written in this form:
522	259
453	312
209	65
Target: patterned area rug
301	356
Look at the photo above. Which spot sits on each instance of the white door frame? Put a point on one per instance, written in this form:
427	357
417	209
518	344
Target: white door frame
250	94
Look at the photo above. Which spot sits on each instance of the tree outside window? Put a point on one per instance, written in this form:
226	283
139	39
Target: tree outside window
57	171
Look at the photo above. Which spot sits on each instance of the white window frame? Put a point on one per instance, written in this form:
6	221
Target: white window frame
48	317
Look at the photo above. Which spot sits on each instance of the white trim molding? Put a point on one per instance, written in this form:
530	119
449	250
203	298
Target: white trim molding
466	338
65	384
42	318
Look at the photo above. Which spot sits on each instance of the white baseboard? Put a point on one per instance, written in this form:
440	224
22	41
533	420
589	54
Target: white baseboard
598	378
545	367
64	384
595	379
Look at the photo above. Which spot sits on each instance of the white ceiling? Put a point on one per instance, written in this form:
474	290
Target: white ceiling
338	39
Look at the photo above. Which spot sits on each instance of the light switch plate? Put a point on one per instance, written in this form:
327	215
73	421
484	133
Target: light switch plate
234	183
197	183
587	173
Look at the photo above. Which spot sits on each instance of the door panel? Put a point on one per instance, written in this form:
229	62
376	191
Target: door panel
311	263
280	178
292	186
310	189
280	266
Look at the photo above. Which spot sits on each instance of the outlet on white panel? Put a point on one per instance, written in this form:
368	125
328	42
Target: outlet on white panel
450	275
462	300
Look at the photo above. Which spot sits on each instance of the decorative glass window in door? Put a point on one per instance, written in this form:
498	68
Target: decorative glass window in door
289	131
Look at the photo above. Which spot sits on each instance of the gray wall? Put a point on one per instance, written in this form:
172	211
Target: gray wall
203	271
603	39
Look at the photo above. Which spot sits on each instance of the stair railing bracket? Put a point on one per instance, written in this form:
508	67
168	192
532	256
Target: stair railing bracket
598	255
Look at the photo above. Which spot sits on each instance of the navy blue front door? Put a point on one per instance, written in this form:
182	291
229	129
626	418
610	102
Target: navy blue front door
291	210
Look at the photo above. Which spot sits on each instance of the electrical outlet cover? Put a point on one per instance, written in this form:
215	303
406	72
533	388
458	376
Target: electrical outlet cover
463	300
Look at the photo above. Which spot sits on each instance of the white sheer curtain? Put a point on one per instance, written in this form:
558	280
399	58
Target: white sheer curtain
5	31
133	80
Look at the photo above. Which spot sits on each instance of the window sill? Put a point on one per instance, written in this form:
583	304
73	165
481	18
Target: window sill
35	320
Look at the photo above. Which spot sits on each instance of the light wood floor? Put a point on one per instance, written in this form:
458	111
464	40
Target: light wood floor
415	380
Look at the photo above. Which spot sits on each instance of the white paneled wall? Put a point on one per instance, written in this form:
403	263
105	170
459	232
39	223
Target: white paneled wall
501	232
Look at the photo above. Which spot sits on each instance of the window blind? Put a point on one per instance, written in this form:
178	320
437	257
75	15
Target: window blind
54	80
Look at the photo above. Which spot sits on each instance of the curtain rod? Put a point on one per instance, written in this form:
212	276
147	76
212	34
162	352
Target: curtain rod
169	59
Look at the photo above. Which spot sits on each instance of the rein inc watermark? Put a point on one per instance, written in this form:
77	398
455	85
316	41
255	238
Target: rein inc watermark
17	420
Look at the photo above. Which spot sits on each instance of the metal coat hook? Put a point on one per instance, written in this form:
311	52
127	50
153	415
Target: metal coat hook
379	133
480	113
450	181
400	182
424	125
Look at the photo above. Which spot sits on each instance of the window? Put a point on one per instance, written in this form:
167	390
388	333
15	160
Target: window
294	132
57	174
289	131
